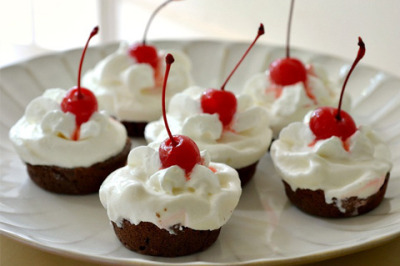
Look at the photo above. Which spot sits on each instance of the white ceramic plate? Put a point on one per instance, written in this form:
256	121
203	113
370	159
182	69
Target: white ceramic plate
264	228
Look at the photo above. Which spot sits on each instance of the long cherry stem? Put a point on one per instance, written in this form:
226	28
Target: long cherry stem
152	17
93	33
360	55
169	59
259	33
289	26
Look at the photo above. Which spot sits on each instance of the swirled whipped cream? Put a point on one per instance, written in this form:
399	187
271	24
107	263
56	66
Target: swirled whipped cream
243	144
358	170
43	135
287	104
144	192
131	91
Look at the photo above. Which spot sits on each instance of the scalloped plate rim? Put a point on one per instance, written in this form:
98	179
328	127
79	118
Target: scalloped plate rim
307	258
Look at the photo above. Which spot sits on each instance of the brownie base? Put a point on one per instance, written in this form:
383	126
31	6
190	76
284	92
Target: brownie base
313	202
246	173
148	239
135	129
80	180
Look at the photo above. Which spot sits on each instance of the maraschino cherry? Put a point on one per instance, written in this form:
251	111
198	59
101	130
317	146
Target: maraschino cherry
78	100
288	71
224	102
177	149
142	52
326	122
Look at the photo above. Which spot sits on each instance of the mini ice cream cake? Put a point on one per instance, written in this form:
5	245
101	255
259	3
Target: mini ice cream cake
69	146
329	167
229	127
128	82
166	211
288	90
172	201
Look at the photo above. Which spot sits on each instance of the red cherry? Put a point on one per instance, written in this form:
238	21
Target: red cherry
183	153
142	52
219	102
178	149
223	102
326	122
81	102
78	100
287	71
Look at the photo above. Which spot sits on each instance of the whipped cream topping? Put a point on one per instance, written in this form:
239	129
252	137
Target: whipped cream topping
289	104
143	192
327	165
43	135
243	144
131	91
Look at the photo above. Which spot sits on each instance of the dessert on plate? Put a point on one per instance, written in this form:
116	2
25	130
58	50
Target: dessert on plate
128	82
69	147
229	127
289	89
170	201
329	166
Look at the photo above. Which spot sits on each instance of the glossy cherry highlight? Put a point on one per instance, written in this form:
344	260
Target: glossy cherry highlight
178	149
224	102
80	101
142	52
326	122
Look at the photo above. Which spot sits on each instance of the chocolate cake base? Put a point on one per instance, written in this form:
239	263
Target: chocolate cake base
246	173
148	239
80	180
313	202
135	129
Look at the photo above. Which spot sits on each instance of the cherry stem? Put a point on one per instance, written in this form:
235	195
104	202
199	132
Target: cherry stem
93	33
169	59
259	33
152	17
360	55
289	26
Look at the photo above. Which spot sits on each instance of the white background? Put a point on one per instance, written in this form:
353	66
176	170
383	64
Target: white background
32	27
